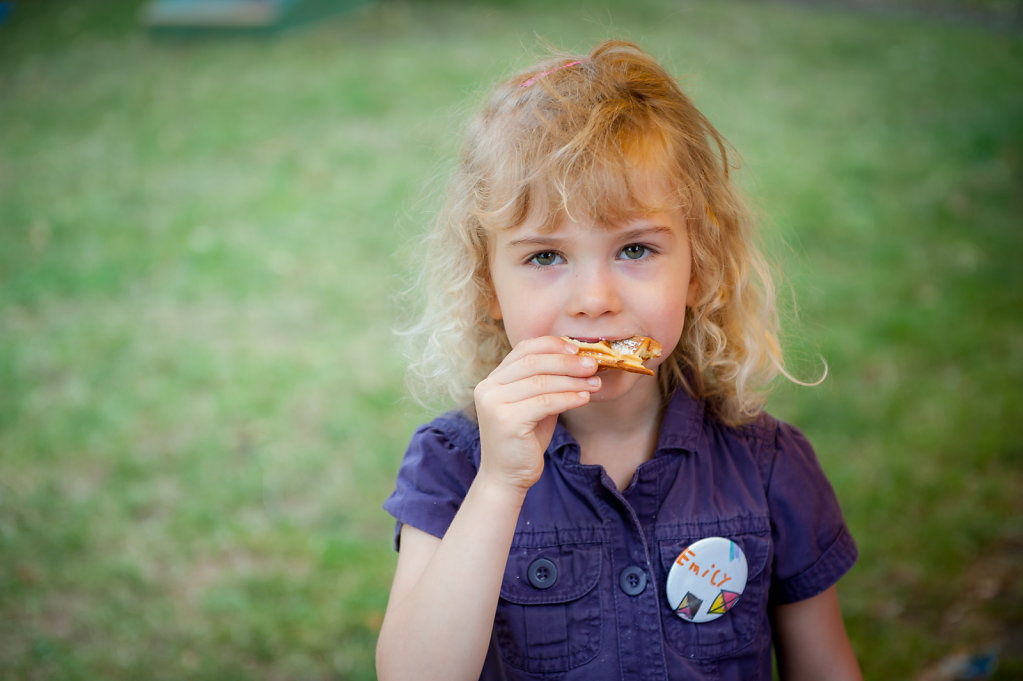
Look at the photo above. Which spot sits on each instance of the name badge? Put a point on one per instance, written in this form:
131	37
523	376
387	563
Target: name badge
707	579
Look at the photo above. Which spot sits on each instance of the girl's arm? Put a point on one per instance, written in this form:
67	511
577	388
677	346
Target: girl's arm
441	610
444	595
811	643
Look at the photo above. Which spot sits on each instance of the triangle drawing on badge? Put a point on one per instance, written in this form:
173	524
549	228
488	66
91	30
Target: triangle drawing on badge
689	606
724	602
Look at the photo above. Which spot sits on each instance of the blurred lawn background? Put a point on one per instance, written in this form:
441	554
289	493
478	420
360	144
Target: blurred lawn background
201	241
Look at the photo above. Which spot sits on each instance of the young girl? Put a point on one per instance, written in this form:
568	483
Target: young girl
575	523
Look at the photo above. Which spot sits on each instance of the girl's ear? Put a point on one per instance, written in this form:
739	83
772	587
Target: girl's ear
494	308
694	289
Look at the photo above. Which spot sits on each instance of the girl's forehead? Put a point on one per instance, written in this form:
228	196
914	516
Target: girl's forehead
543	227
640	194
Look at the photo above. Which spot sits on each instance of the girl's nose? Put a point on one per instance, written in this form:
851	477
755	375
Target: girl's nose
594	292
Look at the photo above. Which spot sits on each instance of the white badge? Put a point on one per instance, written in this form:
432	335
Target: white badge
707	579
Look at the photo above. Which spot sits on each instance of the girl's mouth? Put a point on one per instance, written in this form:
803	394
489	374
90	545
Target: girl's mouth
597	339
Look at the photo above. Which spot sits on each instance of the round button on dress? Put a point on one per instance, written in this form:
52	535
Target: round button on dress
707	579
542	573
632	580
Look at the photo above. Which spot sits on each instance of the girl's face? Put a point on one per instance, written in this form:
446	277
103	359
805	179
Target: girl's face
591	281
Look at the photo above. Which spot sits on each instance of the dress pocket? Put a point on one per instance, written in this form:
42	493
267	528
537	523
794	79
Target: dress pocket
548	617
734	631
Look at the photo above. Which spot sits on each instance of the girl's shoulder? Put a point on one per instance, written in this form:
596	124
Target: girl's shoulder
689	423
772	442
453	429
761	430
771	435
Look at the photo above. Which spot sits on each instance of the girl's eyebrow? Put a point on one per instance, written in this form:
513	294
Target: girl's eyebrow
642	231
647	231
535	240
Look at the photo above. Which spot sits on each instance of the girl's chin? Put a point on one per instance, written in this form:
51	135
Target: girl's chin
616	384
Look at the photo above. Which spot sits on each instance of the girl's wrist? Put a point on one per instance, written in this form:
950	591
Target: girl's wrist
497	491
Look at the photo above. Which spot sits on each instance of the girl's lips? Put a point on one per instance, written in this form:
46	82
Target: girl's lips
596	339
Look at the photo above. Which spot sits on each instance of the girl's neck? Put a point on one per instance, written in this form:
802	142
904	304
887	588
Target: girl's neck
618	434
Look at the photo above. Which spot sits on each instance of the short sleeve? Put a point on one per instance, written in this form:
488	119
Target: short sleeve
433	479
812	545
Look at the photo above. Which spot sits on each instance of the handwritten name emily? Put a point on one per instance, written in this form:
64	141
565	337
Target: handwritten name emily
687	560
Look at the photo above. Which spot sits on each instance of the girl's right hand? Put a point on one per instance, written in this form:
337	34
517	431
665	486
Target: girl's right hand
518	405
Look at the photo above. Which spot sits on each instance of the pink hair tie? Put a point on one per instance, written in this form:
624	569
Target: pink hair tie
533	79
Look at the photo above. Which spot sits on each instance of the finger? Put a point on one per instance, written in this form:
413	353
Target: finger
541	345
544	384
535	409
559	364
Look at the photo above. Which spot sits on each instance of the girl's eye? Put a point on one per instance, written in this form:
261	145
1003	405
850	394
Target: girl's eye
635	251
545	259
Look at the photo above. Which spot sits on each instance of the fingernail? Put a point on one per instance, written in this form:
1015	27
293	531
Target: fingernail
594	381
589	363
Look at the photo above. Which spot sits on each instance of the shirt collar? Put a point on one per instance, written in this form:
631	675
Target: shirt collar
682	423
680	429
563	444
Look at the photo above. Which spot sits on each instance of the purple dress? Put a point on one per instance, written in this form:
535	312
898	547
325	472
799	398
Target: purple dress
583	595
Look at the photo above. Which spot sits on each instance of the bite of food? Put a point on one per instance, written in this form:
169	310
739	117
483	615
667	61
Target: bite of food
627	354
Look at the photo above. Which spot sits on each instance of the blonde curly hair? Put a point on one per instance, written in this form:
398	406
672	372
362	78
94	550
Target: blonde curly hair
563	136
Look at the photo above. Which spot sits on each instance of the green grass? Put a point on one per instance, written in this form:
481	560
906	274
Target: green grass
196	236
